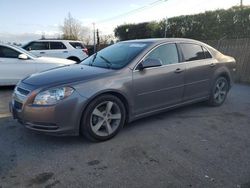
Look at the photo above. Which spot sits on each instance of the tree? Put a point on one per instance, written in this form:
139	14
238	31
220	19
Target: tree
72	29
230	23
106	39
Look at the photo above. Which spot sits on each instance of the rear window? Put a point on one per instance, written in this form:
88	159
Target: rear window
77	45
192	52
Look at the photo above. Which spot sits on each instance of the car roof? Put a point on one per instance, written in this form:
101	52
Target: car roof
55	40
161	40
7	45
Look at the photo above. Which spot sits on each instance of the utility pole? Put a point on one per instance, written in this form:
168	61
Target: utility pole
94	38
98	37
166	24
241	3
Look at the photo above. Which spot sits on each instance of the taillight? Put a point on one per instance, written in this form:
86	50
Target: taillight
85	50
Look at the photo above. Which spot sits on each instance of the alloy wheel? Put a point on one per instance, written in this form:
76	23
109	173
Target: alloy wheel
220	91
105	118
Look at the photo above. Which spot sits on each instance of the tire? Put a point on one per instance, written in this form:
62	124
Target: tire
219	92
103	118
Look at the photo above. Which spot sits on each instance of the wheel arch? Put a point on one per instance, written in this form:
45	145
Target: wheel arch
224	72
74	58
121	96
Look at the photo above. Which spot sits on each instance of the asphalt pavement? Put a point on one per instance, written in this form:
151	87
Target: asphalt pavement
193	146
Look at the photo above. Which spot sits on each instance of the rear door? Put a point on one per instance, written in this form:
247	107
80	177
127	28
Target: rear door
13	69
162	86
57	49
199	69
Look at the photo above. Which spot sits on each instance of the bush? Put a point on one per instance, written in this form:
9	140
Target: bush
211	25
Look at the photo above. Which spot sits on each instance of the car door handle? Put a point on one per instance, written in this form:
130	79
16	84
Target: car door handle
42	52
212	65
178	70
65	51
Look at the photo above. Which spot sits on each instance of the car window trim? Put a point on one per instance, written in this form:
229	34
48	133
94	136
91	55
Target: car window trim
202	46
208	52
158	45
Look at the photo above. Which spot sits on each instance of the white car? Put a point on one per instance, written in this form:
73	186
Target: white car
16	63
67	49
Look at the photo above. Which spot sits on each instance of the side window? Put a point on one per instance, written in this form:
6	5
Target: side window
37	46
207	54
167	54
57	46
192	52
6	52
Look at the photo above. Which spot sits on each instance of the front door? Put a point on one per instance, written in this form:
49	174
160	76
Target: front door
159	87
13	69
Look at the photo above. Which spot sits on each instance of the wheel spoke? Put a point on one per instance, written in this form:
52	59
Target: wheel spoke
216	95
98	113
98	125
109	106
108	128
115	116
222	85
217	87
219	98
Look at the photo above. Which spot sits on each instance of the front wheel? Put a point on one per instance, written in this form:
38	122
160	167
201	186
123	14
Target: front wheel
103	118
219	92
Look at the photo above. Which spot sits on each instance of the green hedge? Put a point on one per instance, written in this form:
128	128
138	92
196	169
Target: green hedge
211	25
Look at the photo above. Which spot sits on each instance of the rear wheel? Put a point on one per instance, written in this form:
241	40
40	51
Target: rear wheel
219	92
103	118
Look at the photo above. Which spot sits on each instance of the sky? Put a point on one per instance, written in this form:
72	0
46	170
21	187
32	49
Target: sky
25	20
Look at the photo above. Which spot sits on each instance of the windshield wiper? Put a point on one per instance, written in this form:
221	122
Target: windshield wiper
91	63
107	61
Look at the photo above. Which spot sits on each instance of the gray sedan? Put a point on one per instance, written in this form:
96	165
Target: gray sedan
121	83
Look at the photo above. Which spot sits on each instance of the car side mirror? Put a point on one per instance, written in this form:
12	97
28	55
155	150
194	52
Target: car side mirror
149	63
23	57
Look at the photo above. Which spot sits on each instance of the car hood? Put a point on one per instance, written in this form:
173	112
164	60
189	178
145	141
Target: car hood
65	74
55	60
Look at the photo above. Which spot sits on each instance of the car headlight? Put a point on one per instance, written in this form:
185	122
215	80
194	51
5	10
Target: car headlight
52	96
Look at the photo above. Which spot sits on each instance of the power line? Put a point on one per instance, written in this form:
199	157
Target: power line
133	11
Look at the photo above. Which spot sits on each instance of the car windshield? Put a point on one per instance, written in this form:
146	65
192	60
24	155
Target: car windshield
116	56
25	52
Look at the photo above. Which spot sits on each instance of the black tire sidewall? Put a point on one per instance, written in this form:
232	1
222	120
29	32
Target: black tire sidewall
85	125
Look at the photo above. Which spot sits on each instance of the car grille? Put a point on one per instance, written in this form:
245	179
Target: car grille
22	91
19	97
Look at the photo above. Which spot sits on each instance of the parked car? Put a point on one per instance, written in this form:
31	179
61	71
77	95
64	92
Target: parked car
16	63
121	83
67	49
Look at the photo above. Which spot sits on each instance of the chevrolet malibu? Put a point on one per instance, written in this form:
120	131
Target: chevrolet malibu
121	83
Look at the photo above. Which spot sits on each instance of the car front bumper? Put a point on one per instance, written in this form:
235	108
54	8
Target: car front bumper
61	119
